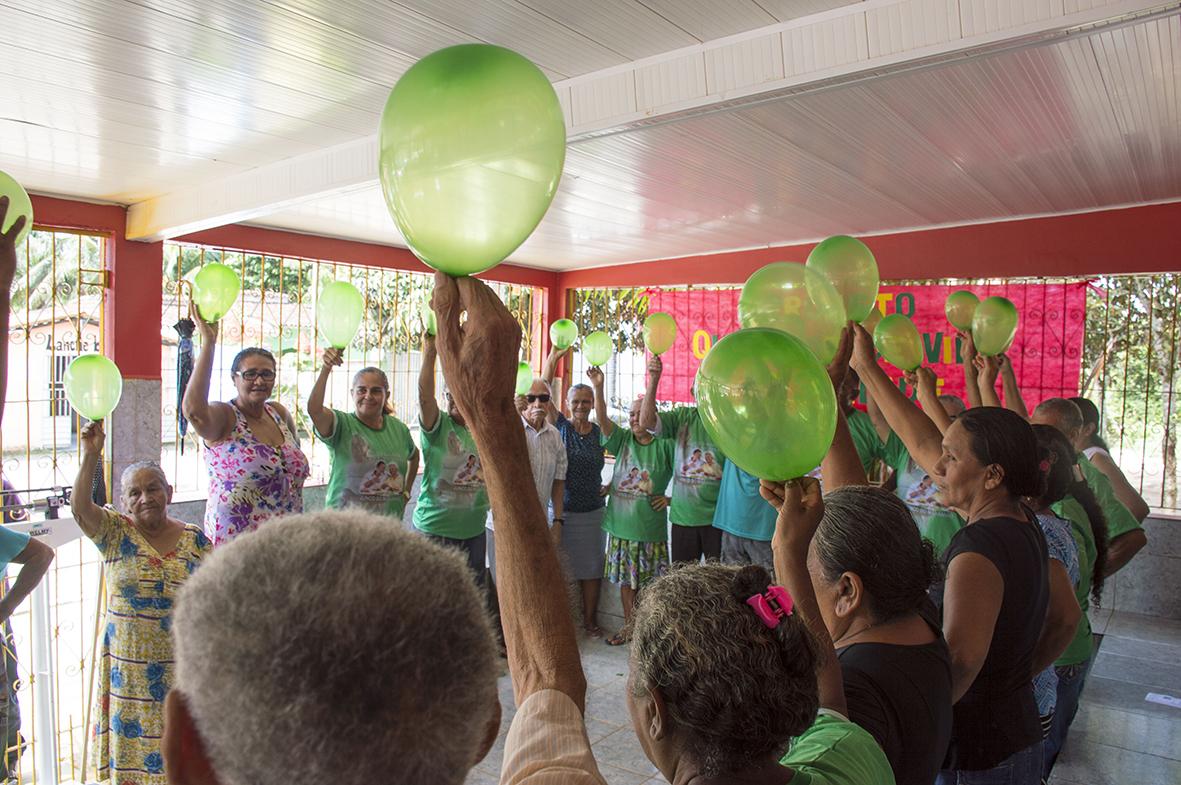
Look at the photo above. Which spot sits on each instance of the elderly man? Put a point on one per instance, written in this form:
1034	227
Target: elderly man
335	648
547	458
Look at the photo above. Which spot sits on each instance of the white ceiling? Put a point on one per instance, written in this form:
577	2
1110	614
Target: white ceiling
126	102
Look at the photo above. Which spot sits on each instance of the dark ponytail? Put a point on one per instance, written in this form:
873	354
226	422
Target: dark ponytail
1086	499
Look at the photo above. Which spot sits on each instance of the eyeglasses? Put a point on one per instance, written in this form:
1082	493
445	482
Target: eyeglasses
543	398
251	375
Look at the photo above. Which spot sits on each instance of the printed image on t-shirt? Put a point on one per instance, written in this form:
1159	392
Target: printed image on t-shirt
460	477
371	480
918	489
631	480
700	465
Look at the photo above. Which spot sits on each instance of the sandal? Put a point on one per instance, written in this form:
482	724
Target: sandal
618	639
594	631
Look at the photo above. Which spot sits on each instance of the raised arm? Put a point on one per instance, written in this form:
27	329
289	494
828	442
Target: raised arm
213	422
428	404
800	509
1013	398
968	356
548	371
88	514
7	274
925	382
648	405
914	428
605	425
323	420
841	464
479	362
987	369
877	418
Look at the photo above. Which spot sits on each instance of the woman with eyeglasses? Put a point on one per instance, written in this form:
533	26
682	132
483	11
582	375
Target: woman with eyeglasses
256	468
373	458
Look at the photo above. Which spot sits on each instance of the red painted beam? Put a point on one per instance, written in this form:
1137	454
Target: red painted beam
277	242
1130	240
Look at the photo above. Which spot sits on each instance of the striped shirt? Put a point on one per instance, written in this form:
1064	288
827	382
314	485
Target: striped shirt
547	744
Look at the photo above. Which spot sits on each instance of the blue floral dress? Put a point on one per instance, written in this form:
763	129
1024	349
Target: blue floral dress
134	668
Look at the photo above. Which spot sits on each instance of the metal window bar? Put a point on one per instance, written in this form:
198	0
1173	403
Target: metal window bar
58	308
277	310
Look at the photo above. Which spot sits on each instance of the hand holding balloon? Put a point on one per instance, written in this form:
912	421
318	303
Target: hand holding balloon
207	330
8	243
92	438
838	369
864	355
800	509
655	366
333	358
595	374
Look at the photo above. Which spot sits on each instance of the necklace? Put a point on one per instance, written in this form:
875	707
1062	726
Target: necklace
837	643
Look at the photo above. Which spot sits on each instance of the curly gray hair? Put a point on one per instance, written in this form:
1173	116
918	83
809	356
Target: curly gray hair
336	647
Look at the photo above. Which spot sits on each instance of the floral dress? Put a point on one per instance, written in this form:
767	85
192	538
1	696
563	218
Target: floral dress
135	666
250	481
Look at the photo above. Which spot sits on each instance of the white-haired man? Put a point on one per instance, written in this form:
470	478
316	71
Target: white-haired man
334	648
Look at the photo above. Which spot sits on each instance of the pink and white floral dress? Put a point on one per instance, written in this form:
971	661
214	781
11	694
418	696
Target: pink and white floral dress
250	481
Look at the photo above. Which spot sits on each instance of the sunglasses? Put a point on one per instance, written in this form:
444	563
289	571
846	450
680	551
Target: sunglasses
543	398
266	375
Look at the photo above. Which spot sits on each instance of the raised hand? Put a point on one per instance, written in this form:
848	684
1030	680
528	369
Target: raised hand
208	330
595	374
333	357
838	369
92	438
655	367
479	356
863	355
8	246
800	509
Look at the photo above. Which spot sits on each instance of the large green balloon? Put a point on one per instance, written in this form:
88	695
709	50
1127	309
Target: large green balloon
849	265
472	144
798	300
215	288
19	204
660	331
597	348
563	333
524	377
339	312
93	386
767	402
898	340
960	307
994	325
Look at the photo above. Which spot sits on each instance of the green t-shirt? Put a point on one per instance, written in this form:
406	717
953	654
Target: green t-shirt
368	467
697	467
865	439
452	501
1119	519
1080	646
641	471
834	751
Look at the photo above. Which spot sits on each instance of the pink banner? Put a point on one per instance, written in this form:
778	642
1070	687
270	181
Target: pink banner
1046	354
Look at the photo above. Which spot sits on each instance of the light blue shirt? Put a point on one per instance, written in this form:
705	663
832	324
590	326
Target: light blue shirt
1061	546
11	544
741	511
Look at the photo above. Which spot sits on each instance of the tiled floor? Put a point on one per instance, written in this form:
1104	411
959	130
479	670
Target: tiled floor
1118	738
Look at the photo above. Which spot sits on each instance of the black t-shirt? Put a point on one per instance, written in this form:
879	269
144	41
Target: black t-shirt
998	715
902	696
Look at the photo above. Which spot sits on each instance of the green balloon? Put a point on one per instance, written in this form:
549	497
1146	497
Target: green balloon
215	288
93	386
849	265
524	377
471	148
660	331
960	307
563	333
767	402
428	319
994	325
898	340
797	300
597	348
19	204
339	312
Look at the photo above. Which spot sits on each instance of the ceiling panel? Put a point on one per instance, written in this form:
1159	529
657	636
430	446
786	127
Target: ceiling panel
1084	123
707	20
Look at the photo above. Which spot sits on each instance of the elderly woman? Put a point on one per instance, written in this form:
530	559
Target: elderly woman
583	541
637	513
374	460
256	468
147	556
997	590
724	671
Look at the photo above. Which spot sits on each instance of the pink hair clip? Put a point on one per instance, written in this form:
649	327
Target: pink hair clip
1044	466
772	606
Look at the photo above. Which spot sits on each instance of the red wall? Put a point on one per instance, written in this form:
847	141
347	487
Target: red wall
1132	240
